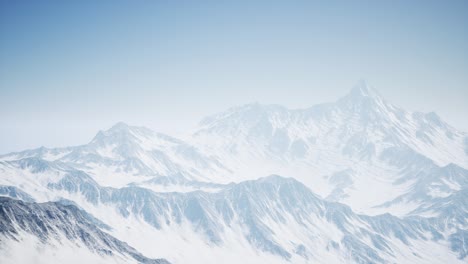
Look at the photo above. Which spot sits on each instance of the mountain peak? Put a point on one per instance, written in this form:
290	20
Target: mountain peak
118	133
366	102
124	128
119	126
361	93
363	89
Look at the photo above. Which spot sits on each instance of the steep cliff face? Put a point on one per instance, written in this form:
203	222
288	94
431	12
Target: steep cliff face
54	223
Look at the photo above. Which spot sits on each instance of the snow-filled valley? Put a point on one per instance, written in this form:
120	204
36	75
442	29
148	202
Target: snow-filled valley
358	180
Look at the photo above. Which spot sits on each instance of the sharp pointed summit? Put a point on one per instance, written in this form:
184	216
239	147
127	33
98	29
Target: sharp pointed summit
363	89
120	130
119	126
364	99
123	130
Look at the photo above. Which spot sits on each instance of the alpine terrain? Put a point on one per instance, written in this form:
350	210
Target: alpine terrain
358	180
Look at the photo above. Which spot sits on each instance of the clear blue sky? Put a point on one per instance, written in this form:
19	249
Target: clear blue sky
70	68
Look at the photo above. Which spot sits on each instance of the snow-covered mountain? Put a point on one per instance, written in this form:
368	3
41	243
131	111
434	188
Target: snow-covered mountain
272	219
366	182
374	142
130	154
360	125
54	228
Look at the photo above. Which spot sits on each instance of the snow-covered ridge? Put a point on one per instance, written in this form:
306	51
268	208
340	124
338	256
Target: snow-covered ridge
369	182
53	222
361	117
360	132
274	215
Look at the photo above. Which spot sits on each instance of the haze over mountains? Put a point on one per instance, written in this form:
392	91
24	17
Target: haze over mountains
358	179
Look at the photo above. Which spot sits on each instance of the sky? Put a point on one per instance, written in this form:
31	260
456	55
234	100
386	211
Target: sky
71	68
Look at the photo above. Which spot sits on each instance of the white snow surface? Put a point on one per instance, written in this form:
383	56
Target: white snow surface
360	151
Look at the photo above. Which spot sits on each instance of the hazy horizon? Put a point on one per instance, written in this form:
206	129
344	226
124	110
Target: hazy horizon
68	70
185	127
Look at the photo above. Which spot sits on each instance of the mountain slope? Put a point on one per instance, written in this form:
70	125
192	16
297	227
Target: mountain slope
359	124
129	154
360	133
53	222
274	216
394	185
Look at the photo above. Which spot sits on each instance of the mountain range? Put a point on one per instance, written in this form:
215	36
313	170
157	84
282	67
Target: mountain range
356	180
